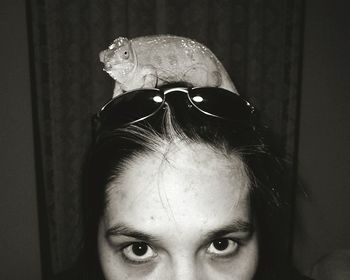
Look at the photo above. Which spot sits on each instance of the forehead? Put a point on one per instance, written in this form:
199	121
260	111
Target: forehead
182	185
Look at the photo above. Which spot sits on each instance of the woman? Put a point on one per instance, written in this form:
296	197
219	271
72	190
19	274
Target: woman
180	185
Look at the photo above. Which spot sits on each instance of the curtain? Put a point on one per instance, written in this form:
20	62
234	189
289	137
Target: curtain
258	41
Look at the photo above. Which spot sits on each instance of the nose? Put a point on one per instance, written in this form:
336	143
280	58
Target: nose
186	268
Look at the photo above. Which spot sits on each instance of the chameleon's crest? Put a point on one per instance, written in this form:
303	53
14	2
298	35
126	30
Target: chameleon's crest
119	42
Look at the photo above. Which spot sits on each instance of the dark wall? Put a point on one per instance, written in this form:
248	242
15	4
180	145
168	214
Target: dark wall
19	240
323	220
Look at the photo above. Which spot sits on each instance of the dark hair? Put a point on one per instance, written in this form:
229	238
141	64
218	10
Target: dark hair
245	139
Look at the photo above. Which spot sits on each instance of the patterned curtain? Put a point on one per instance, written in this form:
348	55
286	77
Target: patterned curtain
258	42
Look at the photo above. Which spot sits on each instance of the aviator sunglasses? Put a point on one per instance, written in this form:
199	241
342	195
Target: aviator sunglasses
141	104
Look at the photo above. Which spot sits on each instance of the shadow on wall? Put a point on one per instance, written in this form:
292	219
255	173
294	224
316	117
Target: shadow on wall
334	266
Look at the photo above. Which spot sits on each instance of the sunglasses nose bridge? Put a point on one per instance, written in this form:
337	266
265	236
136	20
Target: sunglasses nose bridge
193	98
182	89
178	97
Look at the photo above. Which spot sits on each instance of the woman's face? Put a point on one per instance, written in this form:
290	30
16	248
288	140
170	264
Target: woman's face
183	213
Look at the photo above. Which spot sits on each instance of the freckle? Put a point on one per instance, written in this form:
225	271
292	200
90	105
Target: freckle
152	218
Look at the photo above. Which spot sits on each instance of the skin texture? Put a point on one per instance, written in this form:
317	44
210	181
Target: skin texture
181	204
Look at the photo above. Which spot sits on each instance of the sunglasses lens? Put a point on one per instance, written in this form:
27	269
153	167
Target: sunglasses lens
131	107
221	103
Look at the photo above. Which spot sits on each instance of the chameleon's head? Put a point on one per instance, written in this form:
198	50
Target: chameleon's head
118	54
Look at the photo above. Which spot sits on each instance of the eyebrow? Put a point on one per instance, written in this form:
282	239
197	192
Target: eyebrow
122	229
235	227
238	226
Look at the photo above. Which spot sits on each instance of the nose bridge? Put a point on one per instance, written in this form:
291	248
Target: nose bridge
185	267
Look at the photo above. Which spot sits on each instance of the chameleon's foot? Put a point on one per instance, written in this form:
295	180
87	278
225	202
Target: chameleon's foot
117	91
150	81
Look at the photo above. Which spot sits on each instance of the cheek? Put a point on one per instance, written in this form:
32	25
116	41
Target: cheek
249	260
106	256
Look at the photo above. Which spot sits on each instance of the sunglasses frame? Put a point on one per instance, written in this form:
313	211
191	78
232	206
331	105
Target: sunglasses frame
162	93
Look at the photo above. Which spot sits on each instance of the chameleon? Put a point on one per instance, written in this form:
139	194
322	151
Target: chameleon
151	61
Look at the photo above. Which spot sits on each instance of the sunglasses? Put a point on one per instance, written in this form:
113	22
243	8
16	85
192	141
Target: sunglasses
141	104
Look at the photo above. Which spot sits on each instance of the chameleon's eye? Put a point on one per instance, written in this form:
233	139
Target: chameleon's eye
125	54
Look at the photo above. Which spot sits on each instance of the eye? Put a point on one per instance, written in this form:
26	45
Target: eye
125	54
222	247
138	252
